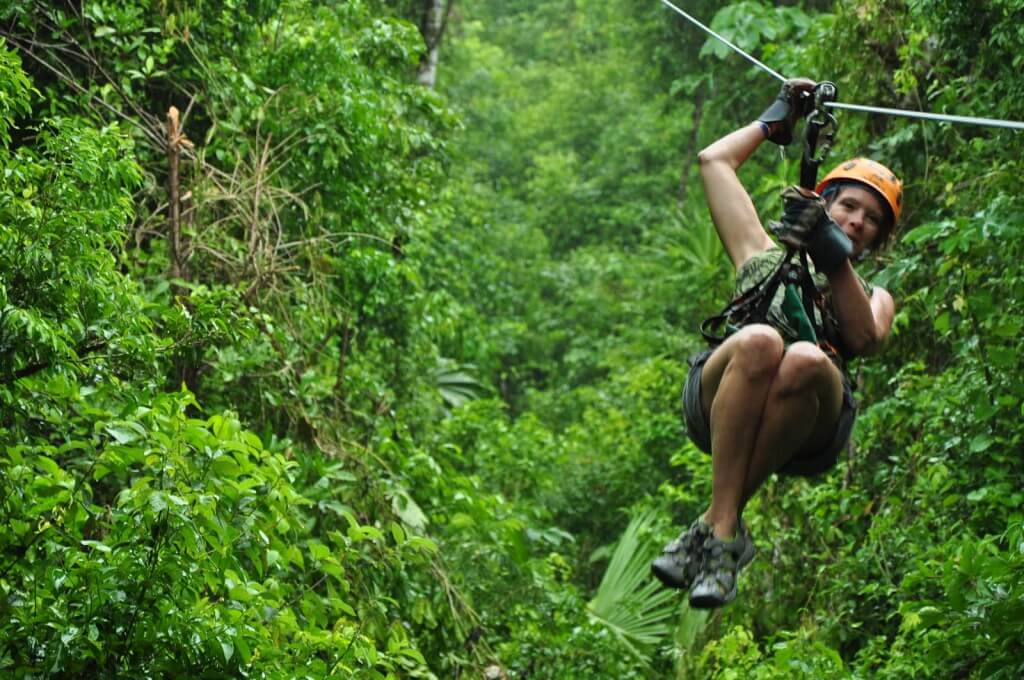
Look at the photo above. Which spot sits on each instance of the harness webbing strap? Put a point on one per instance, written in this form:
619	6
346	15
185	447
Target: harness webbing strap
795	313
809	290
752	306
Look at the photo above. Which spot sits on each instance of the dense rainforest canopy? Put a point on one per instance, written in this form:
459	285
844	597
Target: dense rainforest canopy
346	339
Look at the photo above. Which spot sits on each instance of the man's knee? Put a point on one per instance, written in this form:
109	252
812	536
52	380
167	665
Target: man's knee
804	367
758	351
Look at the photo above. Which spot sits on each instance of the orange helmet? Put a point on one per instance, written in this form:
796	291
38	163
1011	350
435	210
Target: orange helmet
876	176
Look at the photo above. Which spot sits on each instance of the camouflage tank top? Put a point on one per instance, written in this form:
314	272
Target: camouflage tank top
762	265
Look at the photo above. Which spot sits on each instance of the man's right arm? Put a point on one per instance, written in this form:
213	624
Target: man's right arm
732	211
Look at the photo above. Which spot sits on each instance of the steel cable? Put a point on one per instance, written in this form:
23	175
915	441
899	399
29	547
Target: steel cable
946	118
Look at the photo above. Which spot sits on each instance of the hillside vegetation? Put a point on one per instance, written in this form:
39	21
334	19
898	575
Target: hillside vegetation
312	367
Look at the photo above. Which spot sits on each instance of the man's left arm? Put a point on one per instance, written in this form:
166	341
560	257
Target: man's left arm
865	322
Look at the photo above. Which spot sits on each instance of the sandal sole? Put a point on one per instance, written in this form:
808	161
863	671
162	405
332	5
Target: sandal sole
669	579
711	601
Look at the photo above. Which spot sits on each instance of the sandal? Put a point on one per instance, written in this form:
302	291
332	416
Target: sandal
680	563
715	585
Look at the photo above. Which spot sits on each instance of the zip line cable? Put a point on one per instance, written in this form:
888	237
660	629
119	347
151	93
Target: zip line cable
967	120
751	59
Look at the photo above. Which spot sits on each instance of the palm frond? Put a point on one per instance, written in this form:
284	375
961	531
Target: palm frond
698	244
630	603
456	385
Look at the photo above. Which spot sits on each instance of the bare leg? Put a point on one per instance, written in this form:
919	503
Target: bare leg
734	386
800	415
765	408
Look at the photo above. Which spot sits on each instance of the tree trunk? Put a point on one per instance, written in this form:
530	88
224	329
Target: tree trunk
435	20
186	363
174	192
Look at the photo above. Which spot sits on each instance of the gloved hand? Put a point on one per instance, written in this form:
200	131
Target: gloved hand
806	225
795	100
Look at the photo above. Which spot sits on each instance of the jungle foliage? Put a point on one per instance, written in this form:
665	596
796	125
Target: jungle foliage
329	374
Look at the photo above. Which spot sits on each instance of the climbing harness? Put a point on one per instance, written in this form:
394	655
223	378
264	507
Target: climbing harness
946	118
803	304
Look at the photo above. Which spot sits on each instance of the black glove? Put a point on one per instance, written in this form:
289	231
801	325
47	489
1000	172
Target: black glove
805	225
794	101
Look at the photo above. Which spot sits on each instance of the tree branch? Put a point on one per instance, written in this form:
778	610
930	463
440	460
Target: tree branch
32	369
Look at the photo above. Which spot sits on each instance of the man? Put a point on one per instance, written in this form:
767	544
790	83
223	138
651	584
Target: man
765	400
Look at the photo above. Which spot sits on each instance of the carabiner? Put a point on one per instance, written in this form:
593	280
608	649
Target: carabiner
819	121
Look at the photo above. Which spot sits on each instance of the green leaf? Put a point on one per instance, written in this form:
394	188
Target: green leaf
125	432
397	533
422	543
49	466
923	232
97	545
243	650
225	465
978	494
408	511
70	634
980	443
157	501
318	551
